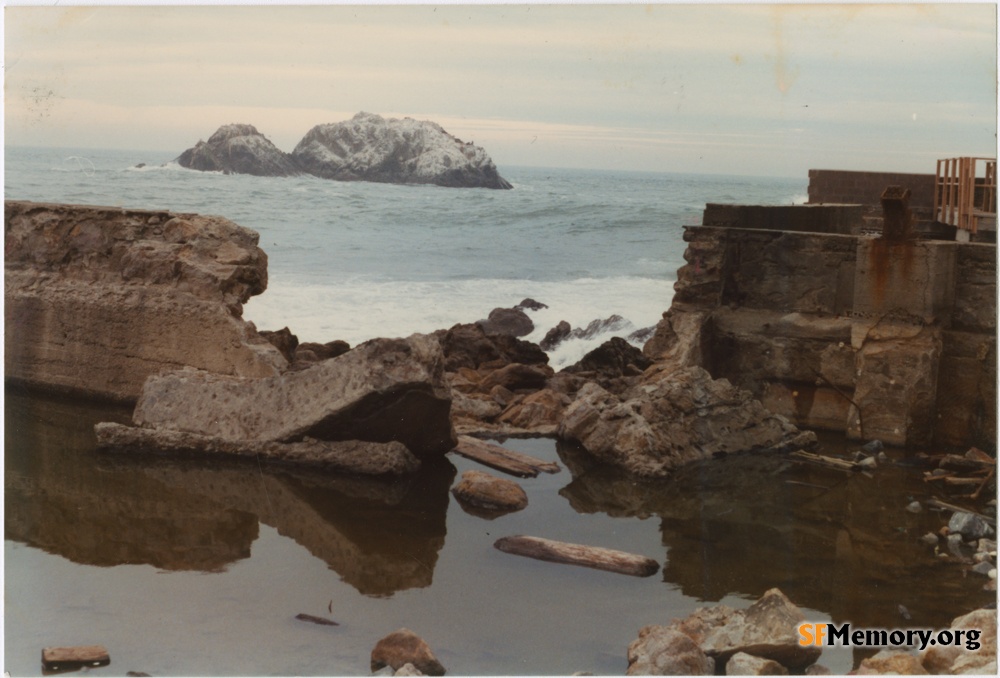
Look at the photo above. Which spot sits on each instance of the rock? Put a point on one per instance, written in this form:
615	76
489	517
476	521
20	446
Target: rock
893	662
468	346
613	323
383	390
371	148
63	658
873	446
641	336
555	336
405	647
983	568
868	464
767	629
511	322
612	359
663	651
385	671
104	297
540	411
743	664
818	670
969	525
530	304
283	340
351	456
517	376
331	349
671	419
915	507
931	539
408	669
956	659
485	491
239	149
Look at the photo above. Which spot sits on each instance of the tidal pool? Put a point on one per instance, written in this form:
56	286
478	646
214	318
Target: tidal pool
183	566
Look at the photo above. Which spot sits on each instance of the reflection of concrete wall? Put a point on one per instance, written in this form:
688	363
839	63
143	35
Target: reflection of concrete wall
890	341
57	498
381	536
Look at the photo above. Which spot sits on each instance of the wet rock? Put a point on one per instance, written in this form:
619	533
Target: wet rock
408	669
530	304
283	340
892	662
383	390
74	657
540	411
915	507
743	664
873	446
467	345
641	336
983	568
614	358
511	322
818	670
868	464
517	376
613	323
405	647
239	149
488	492
931	539
663	651
369	147
555	336
385	671
969	525
668	420
952	659
765	629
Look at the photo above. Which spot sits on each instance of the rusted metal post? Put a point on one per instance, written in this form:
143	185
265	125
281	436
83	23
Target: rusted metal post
897	220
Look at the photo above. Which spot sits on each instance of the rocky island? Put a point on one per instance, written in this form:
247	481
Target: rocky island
367	147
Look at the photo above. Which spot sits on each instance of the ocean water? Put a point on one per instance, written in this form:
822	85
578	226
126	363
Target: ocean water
358	260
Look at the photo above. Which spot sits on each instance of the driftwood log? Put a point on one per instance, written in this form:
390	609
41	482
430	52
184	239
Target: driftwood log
502	459
578	554
322	621
63	658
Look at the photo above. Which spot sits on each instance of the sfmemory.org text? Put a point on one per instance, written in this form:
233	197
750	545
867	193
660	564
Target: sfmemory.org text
831	634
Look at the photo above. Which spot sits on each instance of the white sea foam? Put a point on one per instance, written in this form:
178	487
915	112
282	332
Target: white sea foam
361	309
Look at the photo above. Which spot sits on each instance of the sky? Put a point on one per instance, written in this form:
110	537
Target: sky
748	89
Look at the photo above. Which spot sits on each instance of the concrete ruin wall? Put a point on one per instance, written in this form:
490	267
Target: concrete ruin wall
846	333
865	188
99	298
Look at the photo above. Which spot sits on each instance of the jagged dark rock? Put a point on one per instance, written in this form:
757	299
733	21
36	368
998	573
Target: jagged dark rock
555	336
369	147
239	149
512	322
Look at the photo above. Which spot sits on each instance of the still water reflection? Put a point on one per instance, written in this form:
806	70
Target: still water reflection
401	554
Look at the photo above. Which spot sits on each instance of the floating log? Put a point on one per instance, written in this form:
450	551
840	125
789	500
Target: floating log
953	462
578	554
322	621
502	459
829	462
937	503
62	658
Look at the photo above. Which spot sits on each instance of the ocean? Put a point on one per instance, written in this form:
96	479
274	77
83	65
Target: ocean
358	260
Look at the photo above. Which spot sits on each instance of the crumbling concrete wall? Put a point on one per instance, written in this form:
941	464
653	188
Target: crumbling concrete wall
99	298
840	332
864	188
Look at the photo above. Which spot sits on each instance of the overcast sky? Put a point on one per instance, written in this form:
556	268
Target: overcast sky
737	89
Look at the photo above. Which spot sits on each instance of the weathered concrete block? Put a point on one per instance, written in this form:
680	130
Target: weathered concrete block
808	406
843	219
382	390
967	390
896	391
99	298
912	281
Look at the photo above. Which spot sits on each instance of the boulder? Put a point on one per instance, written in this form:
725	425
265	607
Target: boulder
767	629
283	340
405	647
372	148
330	349
239	149
891	662
467	345
969	525
540	411
490	493
663	651
530	304
104	297
962	659
613	323
614	358
384	389
667	420
555	336
516	376
511	322
743	664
